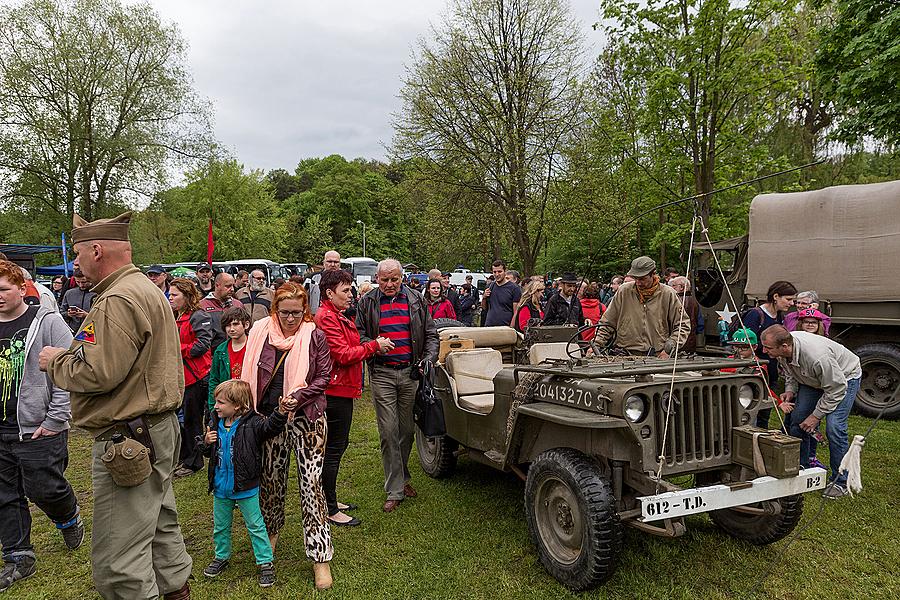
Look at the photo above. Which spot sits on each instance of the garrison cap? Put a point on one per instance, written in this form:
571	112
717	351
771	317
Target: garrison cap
642	265
101	229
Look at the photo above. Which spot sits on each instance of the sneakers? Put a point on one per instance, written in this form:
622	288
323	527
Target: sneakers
72	532
14	570
266	575
815	462
183	472
215	567
834	491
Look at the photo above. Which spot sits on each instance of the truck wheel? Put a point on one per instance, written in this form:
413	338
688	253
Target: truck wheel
761	529
880	377
442	323
436	455
571	513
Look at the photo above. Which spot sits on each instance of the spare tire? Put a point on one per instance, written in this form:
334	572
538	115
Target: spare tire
880	377
443	323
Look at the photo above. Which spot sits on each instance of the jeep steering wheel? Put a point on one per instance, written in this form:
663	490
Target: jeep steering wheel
575	342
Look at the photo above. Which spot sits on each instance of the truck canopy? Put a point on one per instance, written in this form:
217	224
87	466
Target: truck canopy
841	241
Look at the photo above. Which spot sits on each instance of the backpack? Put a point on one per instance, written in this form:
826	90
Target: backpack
736	323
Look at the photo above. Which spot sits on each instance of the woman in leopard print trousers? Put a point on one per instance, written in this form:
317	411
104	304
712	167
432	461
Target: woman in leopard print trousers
287	355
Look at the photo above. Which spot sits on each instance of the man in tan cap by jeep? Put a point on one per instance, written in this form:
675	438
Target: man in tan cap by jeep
125	379
646	317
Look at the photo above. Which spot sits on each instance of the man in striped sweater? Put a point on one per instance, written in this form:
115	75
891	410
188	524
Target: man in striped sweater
396	312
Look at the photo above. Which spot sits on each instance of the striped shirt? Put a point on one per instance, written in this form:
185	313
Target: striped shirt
394	325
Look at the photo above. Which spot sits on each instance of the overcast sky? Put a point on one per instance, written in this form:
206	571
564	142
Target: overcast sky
306	78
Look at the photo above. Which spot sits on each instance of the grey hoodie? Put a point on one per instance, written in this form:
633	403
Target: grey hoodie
41	404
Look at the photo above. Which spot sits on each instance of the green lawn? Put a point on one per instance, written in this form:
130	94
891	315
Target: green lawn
465	537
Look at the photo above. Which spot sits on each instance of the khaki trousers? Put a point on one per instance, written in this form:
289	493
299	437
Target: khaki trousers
393	393
137	551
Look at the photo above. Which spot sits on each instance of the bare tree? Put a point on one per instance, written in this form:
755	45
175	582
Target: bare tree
490	102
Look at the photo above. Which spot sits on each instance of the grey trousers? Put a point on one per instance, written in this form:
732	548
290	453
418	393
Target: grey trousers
137	551
393	393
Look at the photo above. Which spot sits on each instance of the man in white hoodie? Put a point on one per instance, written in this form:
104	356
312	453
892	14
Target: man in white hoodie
34	424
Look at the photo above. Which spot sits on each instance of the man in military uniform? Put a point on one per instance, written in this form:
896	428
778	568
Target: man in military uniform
646	317
124	375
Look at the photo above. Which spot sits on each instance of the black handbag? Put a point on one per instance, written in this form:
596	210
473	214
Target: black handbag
428	412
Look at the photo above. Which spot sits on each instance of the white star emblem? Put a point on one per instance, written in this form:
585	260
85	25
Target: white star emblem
727	314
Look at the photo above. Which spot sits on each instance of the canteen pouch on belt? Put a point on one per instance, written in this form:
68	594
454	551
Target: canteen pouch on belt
128	462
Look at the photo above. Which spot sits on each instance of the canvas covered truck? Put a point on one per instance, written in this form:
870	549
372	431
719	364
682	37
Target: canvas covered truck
605	441
844	243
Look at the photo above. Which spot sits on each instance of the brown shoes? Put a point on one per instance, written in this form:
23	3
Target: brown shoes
183	594
391	505
409	492
322	573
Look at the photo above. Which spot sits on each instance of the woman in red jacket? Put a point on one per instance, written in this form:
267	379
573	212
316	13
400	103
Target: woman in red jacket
196	333
438	304
592	309
347	356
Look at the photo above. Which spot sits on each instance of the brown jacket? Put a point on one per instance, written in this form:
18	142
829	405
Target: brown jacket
258	307
657	325
311	399
125	360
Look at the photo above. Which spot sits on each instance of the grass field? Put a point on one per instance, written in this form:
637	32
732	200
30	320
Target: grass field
465	537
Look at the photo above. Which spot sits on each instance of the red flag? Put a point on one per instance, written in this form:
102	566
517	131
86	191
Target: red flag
210	244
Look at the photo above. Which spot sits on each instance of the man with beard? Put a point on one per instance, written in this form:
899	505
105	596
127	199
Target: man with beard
330	262
204	279
646	317
215	303
256	297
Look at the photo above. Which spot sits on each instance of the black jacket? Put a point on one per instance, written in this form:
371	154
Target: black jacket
556	311
424	334
467	304
246	447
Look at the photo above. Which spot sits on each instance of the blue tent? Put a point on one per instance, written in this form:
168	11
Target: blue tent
59	269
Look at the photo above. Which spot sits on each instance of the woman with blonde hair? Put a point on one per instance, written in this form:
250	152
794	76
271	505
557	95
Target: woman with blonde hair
530	305
287	356
196	333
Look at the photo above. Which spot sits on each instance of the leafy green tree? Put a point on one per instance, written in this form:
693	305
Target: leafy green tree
490	103
241	205
96	101
858	62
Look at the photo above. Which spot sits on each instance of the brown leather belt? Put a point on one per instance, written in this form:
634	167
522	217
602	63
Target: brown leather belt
122	427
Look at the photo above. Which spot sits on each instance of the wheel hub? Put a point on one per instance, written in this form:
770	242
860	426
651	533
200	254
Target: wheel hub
883	381
564	517
559	520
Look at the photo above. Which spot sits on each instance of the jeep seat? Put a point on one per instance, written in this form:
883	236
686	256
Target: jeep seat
473	377
484	337
542	351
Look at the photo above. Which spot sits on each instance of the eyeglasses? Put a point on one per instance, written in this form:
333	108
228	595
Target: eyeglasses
290	314
259	278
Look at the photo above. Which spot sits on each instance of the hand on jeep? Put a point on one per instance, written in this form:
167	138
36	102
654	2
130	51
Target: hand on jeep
384	345
787	397
211	436
663	355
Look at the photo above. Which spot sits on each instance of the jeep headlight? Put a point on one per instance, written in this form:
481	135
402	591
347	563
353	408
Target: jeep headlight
635	408
745	395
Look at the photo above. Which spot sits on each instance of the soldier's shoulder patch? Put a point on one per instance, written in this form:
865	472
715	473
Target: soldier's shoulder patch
86	335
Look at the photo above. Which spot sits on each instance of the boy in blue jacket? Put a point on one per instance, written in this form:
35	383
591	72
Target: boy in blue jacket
233	443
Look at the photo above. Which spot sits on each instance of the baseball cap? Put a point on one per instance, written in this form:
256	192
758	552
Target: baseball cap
203	267
810	313
155	269
642	265
744	336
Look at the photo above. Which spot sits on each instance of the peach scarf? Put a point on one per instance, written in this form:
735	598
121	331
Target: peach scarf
296	364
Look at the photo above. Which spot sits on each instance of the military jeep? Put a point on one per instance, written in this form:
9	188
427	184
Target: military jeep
607	441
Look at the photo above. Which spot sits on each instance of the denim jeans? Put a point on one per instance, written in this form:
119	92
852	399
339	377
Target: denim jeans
32	470
835	422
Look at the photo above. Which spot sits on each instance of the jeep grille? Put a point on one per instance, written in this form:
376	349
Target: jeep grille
700	425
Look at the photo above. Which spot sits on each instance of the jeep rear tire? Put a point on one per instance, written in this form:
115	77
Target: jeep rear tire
880	377
571	514
436	455
444	322
761	530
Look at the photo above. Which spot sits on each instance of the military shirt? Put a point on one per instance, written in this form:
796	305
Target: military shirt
125	360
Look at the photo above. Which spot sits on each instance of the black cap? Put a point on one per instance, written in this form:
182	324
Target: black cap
203	266
155	269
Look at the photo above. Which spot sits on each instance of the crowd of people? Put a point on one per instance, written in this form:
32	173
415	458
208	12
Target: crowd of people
165	373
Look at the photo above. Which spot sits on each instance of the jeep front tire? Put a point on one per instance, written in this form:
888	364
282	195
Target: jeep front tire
436	454
571	513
